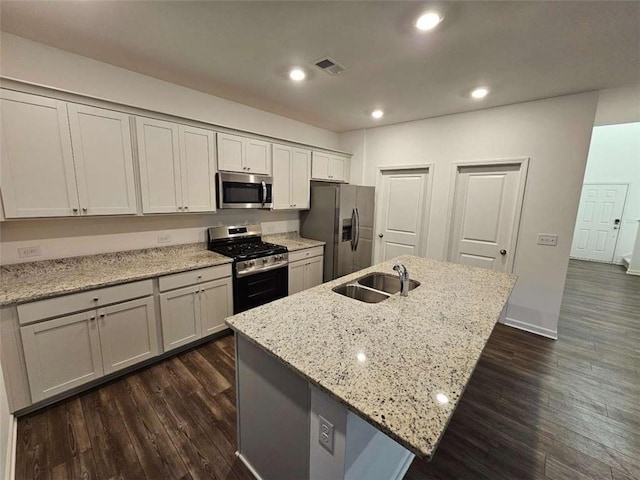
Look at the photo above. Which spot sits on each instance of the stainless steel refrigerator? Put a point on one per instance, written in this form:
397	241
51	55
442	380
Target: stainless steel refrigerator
342	216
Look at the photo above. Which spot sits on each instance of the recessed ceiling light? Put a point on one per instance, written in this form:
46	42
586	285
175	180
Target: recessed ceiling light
480	92
297	74
377	114
428	21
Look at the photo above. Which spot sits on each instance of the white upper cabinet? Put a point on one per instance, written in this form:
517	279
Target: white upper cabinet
37	174
291	177
243	155
177	167
102	152
326	166
64	159
197	160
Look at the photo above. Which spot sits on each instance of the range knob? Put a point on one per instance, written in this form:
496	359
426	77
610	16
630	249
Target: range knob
252	263
265	260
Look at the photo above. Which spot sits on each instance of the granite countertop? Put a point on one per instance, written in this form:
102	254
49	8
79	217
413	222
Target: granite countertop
24	282
401	364
292	240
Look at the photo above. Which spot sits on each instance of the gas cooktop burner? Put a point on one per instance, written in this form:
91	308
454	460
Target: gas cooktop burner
248	250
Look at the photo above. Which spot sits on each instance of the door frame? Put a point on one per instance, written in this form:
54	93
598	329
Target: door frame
624	207
523	163
427	168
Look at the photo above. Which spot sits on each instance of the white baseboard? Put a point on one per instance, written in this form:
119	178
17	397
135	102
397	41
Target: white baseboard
528	327
633	272
249	466
10	470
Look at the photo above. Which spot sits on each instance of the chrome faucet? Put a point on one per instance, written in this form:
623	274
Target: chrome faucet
403	275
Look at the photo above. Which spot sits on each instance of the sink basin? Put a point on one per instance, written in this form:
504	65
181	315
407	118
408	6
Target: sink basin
385	282
358	292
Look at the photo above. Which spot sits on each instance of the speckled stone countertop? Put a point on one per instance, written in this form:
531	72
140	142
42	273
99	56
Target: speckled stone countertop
292	240
401	364
25	282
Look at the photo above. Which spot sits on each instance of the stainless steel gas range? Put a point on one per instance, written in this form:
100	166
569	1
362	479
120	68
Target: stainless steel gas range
260	269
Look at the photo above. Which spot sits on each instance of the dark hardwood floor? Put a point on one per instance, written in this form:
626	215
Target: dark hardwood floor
535	407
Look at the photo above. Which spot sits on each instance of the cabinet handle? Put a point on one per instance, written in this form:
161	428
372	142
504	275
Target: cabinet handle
186	208
179	208
84	209
75	210
92	318
102	315
199	277
95	299
248	168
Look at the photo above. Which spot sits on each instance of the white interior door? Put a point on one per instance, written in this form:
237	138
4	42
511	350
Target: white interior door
598	222
400	218
486	206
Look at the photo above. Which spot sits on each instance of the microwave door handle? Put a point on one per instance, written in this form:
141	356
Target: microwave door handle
353	231
357	229
264	193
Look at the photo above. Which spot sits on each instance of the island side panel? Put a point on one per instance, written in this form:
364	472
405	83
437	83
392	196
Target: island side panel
273	415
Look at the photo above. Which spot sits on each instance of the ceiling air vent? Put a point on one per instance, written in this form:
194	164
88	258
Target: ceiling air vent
330	66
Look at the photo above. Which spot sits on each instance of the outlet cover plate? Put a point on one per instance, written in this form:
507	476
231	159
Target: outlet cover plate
27	252
549	239
325	433
164	238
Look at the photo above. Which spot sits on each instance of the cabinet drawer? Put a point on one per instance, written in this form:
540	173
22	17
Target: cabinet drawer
307	253
55	307
177	280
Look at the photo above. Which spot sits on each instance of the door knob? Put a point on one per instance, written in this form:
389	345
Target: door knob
503	252
381	235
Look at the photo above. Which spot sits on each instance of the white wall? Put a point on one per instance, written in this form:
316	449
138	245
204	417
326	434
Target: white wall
32	62
618	105
6	428
554	134
614	157
69	237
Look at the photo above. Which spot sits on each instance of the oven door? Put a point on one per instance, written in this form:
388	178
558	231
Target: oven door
259	288
237	190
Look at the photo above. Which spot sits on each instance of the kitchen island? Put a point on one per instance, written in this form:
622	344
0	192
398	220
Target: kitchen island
331	387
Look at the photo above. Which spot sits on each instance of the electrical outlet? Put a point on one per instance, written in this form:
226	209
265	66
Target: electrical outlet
164	238
548	239
26	252
325	434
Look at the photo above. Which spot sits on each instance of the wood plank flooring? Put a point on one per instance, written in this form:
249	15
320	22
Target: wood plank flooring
534	409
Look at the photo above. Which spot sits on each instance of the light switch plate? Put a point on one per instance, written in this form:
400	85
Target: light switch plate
549	239
325	433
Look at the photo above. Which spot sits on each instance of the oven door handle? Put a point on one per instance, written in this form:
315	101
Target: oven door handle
261	269
264	193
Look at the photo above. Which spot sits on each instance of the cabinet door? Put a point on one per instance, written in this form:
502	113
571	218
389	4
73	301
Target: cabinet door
337	168
313	272
301	178
127	333
197	158
37	175
320	166
180	312
296	276
282	157
216	304
159	158
231	152
103	159
61	354
258	157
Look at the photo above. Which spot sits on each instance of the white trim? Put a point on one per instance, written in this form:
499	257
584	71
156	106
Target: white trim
12	444
633	272
429	169
253	471
528	327
404	466
523	162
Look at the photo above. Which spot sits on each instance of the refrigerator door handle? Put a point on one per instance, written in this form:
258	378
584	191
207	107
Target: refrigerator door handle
353	226
357	229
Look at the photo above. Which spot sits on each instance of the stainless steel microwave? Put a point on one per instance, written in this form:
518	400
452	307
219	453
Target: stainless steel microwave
241	190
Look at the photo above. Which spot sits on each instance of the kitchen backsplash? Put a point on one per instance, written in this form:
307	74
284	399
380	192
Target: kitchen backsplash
45	239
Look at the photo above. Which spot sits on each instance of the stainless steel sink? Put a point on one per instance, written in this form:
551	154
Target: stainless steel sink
373	288
385	282
358	292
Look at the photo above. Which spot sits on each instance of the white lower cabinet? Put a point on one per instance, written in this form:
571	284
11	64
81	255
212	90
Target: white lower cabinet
69	351
304	274
196	311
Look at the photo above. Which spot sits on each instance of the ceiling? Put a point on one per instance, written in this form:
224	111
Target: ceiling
242	51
